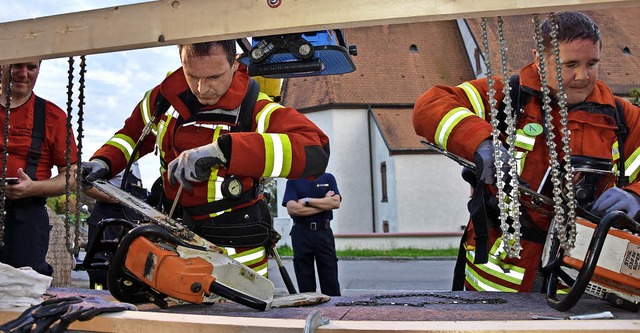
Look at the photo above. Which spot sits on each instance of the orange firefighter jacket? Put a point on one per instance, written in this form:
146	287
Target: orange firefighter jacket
282	143
458	119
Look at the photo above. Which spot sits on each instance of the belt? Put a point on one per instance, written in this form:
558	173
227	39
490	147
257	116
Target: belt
315	225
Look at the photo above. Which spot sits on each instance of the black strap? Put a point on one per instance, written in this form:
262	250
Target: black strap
245	119
622	133
222	204
478	209
519	97
37	137
461	262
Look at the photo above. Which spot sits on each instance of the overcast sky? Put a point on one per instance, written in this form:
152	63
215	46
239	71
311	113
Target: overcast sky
115	82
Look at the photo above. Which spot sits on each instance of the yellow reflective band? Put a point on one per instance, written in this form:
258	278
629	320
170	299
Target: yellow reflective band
162	128
262	96
494	267
474	98
124	143
278	155
446	125
482	284
263	270
632	165
251	256
145	109
615	152
524	141
264	115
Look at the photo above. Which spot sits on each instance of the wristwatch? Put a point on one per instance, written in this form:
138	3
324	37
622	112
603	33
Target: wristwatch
231	188
306	201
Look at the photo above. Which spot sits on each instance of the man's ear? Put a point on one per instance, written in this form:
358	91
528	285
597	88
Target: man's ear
536	59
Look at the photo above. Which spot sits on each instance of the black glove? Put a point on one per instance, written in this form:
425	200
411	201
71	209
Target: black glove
55	315
92	171
194	165
485	162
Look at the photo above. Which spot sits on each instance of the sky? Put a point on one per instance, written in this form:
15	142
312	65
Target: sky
114	82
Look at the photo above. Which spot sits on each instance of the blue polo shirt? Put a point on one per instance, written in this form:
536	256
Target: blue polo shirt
302	188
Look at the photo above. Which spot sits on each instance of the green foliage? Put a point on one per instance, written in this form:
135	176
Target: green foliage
635	96
285	251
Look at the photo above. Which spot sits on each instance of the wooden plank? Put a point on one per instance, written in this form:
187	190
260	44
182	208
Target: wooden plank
151	322
168	22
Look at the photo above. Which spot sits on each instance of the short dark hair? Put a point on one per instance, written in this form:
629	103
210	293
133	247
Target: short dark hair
571	26
203	49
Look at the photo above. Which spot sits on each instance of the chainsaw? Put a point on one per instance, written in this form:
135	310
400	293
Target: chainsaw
607	270
604	263
164	259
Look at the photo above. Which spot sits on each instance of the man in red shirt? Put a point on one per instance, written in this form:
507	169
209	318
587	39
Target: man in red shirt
26	223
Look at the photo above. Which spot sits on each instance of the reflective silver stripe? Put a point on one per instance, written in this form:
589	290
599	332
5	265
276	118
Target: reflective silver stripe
145	109
509	273
446	125
524	141
474	98
475	281
278	155
520	157
632	165
263	116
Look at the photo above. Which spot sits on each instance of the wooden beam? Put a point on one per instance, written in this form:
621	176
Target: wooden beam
168	22
155	322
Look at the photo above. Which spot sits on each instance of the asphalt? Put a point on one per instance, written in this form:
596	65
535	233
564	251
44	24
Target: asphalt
359	276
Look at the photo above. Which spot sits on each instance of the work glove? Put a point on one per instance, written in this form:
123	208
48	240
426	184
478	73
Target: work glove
194	165
616	198
485	165
92	171
55	315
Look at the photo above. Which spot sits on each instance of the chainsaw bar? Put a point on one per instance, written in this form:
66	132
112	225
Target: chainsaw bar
144	209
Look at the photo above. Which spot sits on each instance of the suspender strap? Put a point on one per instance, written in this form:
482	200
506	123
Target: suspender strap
622	132
461	262
37	137
246	109
478	209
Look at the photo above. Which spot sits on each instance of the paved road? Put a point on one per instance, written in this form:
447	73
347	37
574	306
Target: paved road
359	277
372	276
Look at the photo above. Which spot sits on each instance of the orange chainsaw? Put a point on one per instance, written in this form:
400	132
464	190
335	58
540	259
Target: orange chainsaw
604	263
164	259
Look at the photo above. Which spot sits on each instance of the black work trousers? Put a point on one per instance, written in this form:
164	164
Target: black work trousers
26	235
315	242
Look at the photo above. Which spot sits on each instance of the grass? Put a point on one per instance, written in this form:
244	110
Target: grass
400	252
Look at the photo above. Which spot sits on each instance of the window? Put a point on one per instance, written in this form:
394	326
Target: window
383	175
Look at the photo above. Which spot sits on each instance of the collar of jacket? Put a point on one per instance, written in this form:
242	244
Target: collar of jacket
174	84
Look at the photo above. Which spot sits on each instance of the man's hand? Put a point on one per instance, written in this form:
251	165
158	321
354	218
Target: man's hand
92	171
194	165
22	189
616	198
485	162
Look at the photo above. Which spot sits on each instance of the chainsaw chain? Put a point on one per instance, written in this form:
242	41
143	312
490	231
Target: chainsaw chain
442	299
5	153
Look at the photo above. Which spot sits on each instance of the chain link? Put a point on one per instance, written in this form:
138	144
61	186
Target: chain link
78	189
441	299
5	152
510	241
566	136
507	207
67	154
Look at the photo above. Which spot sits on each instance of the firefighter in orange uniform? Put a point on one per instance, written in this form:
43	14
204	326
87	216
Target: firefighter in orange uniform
458	120
218	137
